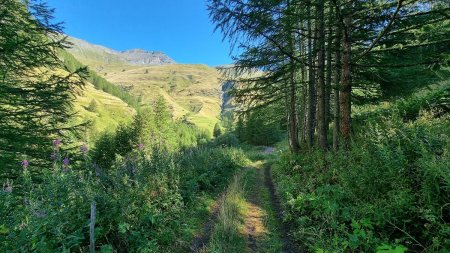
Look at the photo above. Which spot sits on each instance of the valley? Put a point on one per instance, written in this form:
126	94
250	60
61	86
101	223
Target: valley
192	91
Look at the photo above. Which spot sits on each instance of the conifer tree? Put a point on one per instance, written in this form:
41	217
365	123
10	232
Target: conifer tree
217	130
36	90
341	42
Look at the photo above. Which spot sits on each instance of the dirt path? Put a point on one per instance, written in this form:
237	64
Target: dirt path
261	229
254	218
200	241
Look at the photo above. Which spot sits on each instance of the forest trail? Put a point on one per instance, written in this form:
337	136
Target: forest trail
247	217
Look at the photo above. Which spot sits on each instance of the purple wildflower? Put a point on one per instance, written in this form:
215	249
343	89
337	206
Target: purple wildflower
57	142
53	156
84	149
66	162
7	187
141	146
25	164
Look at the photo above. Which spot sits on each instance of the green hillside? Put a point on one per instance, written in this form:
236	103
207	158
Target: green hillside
191	90
103	110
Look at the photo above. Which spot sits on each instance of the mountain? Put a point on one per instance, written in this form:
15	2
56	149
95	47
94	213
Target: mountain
95	54
193	91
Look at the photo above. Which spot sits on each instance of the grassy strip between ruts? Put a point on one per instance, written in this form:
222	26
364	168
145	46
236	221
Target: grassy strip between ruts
246	221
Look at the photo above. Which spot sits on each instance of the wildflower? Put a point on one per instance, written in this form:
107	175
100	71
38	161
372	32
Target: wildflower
84	149
57	142
66	162
53	156
7	187
141	146
25	164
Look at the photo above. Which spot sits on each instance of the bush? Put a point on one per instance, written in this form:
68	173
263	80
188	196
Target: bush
390	191
226	140
208	169
92	107
141	200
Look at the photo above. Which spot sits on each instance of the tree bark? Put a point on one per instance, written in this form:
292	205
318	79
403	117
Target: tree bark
337	80
329	69
292	118
321	106
311	87
346	85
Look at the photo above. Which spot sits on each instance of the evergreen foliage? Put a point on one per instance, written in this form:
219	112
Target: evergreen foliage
217	130
36	89
150	127
305	53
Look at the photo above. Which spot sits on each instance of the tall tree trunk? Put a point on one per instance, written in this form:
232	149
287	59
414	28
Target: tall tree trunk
311	86
337	80
304	106
321	117
304	95
292	118
346	85
329	68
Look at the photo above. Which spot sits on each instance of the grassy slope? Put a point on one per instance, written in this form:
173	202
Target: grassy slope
192	91
109	113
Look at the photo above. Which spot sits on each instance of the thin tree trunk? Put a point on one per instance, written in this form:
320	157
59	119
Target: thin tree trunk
337	80
329	69
293	122
311	87
303	96
321	115
346	88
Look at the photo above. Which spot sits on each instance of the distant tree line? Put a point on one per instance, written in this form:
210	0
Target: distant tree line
100	82
152	126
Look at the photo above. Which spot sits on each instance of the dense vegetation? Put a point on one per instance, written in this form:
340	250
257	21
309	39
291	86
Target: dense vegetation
389	192
150	179
145	201
359	90
362	89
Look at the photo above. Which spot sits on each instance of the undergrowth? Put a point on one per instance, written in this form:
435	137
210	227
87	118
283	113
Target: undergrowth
390	192
143	201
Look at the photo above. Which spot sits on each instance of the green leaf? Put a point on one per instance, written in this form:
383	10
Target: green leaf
385	248
123	228
106	249
3	229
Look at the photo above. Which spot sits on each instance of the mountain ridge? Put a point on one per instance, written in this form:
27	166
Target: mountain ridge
134	56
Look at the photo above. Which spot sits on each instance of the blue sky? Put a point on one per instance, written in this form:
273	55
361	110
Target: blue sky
179	28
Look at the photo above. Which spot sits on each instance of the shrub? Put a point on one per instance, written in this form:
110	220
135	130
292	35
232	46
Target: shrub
141	200
226	140
389	191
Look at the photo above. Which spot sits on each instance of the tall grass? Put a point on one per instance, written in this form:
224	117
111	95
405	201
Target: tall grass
227	236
